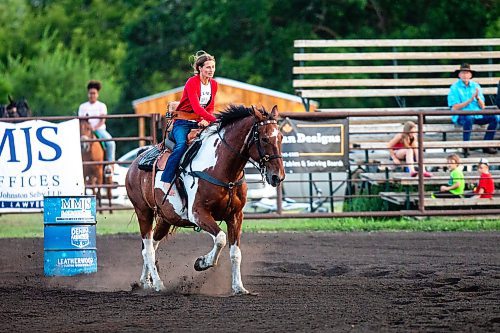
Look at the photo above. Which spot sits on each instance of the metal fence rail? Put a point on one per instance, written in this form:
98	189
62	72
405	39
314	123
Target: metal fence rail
359	199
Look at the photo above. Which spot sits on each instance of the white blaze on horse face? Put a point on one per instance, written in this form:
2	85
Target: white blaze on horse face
205	159
275	133
85	145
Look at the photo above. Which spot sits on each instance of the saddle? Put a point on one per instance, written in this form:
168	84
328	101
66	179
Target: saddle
155	159
159	154
156	155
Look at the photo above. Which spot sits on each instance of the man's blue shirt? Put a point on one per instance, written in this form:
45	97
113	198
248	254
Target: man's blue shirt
459	93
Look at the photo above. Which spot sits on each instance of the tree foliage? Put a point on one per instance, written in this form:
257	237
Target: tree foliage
55	81
50	48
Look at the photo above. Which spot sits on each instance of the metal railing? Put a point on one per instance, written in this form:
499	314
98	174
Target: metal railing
337	196
419	117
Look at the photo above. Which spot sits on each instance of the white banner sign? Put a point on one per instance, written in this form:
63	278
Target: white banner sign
38	158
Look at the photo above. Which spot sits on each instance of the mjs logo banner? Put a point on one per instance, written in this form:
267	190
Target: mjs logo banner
38	158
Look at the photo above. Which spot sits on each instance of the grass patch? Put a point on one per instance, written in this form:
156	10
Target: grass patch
31	225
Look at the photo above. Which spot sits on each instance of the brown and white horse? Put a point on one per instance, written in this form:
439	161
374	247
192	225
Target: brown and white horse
215	186
92	151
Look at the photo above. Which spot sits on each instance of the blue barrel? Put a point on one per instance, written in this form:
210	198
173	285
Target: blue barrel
69	235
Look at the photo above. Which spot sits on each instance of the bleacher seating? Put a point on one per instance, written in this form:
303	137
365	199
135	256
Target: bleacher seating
397	74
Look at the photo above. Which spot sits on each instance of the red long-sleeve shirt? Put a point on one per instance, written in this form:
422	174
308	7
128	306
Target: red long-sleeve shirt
190	101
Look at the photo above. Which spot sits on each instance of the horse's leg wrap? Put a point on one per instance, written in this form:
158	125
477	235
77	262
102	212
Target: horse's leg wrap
148	253
236	284
145	276
210	259
146	281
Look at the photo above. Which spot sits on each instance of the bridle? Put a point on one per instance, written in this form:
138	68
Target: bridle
254	139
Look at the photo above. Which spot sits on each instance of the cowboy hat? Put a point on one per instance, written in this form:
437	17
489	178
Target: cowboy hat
465	67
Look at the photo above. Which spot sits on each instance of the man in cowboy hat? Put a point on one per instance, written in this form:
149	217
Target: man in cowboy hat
466	95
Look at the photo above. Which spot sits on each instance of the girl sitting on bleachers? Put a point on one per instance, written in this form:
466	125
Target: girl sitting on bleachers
403	147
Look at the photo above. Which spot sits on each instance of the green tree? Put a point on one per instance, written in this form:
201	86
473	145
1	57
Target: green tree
54	82
156	49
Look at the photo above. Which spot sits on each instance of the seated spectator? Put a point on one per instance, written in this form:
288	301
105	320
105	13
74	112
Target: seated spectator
456	184
486	187
466	95
404	147
94	107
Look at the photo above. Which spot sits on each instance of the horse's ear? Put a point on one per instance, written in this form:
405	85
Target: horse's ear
11	101
253	110
274	112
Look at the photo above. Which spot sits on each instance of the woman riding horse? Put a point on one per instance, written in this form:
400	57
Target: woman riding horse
194	110
215	187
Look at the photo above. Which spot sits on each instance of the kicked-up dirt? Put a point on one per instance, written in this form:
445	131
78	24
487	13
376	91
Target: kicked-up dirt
394	282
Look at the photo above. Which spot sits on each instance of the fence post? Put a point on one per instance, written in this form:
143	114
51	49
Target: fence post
421	188
279	200
154	122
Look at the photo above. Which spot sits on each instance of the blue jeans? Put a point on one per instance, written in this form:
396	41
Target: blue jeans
110	145
468	121
179	135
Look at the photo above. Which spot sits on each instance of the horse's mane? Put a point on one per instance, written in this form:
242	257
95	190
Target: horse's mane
233	113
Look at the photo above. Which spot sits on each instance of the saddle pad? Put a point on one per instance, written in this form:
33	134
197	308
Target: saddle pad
148	159
103	144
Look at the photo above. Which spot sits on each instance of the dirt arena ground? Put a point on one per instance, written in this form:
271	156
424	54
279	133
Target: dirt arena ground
393	282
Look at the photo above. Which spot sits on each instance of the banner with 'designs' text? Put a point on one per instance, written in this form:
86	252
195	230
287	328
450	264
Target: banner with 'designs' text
38	158
315	146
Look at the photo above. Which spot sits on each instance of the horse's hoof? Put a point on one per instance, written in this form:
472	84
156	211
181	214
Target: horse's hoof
159	286
198	267
243	291
135	286
145	285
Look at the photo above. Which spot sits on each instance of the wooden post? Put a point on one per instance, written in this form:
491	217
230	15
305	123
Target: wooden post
142	131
